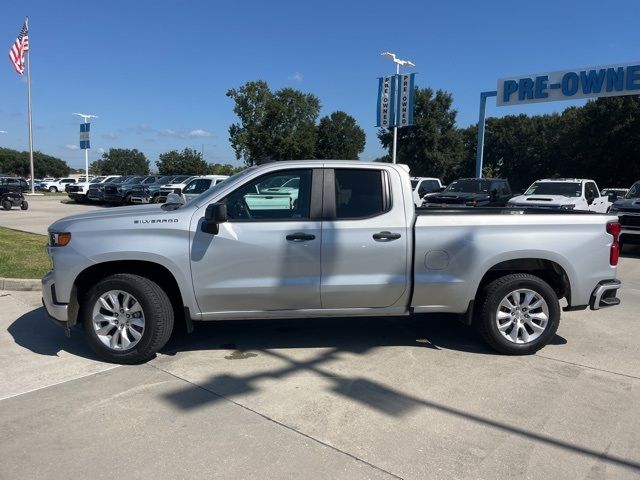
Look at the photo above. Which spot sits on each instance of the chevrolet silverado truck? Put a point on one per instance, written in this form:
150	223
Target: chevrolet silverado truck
352	244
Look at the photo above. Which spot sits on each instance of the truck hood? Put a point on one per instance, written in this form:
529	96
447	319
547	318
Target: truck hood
627	204
107	215
543	200
456	197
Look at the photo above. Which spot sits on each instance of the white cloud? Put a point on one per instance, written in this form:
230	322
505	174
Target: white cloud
110	136
297	77
71	146
167	132
200	133
101	150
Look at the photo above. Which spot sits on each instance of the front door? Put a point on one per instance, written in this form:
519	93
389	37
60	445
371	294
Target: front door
364	239
266	257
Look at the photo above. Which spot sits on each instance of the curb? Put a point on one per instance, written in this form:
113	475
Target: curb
20	284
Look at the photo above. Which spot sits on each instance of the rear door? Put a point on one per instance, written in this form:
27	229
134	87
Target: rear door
364	239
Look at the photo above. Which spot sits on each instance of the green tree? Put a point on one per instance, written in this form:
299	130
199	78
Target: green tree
339	137
121	161
433	145
17	163
273	126
224	169
188	161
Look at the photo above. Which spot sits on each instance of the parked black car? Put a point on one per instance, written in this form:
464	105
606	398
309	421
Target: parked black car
96	191
148	192
11	194
628	211
472	192
120	193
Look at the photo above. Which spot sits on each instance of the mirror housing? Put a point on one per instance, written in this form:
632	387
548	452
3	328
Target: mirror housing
214	215
174	198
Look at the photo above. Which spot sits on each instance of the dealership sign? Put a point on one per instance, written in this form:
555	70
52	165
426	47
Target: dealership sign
395	101
84	136
604	81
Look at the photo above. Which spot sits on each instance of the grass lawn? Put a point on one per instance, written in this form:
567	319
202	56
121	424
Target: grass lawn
22	254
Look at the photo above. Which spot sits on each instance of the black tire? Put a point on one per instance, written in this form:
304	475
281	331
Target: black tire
80	199
158	314
53	189
24	205
489	303
127	200
6	204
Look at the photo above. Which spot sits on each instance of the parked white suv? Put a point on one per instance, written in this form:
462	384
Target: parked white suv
58	184
563	194
200	185
424	185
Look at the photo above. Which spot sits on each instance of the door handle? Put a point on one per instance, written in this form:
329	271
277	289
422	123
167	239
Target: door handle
386	236
300	237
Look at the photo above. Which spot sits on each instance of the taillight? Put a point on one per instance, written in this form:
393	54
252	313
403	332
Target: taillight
613	229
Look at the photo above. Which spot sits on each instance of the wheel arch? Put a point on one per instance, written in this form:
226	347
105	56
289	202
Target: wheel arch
548	270
144	268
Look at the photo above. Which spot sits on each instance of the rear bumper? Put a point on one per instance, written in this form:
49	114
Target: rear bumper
604	295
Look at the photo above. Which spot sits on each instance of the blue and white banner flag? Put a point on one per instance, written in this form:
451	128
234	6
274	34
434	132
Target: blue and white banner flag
386	101
405	100
84	136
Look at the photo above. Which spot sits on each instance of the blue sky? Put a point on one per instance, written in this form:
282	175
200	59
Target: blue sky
156	72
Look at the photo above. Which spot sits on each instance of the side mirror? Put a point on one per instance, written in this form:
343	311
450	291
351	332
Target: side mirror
175	199
214	215
442	189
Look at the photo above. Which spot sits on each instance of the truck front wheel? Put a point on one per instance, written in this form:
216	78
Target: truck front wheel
519	314
127	318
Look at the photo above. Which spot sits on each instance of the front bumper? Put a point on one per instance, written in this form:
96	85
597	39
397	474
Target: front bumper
140	199
604	295
57	311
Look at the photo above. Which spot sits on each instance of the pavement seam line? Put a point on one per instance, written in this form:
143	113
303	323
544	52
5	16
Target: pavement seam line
60	383
587	367
284	425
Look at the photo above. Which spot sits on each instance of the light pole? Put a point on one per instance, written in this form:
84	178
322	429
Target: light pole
404	63
85	117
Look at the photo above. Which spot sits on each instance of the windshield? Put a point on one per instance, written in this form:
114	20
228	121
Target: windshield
97	180
134	180
180	178
634	191
469	186
163	180
564	189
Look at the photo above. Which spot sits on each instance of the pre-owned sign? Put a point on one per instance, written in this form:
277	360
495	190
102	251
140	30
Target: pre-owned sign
604	81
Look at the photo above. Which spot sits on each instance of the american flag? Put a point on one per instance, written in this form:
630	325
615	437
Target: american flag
18	49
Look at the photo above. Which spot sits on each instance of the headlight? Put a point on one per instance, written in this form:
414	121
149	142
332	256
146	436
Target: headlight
567	207
59	239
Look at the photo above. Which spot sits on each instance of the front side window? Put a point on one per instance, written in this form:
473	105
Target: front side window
591	190
268	198
359	193
429	186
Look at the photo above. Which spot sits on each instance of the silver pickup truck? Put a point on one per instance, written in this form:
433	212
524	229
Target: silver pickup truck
352	243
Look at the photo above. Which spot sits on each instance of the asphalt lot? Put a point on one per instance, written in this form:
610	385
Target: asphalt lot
409	397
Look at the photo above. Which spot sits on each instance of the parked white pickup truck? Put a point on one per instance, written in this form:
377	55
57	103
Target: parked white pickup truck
352	244
423	186
563	194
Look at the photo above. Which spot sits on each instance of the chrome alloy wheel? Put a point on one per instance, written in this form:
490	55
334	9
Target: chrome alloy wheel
522	316
118	320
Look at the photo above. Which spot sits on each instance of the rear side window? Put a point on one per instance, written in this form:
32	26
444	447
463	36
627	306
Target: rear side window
359	193
429	186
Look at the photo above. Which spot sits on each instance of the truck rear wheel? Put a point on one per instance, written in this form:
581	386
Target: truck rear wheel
519	314
6	204
127	318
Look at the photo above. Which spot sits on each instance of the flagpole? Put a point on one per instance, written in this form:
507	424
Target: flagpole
29	101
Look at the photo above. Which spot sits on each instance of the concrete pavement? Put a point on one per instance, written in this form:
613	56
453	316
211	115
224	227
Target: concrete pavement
402	397
43	211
